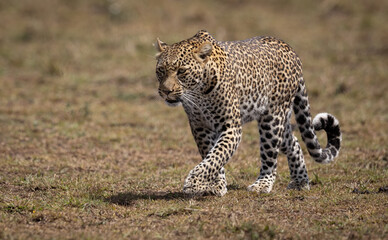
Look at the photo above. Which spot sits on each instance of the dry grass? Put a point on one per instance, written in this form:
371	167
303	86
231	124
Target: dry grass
89	151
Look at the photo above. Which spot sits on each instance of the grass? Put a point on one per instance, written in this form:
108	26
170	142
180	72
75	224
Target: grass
89	151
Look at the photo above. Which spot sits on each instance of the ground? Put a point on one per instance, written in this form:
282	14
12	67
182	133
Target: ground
89	151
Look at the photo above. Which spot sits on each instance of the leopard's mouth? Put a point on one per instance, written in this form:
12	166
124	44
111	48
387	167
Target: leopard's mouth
173	101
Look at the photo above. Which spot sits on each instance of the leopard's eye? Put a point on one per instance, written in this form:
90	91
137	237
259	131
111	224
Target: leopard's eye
160	72
181	71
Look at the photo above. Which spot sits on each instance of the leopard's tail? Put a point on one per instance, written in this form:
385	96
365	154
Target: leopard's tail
307	129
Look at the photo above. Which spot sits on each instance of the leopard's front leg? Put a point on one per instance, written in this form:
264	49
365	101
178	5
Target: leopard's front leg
216	149
206	138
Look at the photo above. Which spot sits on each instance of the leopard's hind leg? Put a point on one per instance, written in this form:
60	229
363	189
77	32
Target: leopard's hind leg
271	128
291	148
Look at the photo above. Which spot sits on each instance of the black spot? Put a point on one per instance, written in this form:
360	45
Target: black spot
309	134
266	146
335	131
274	143
311	145
276	131
269	164
315	155
330	120
268	135
297	100
323	123
270	154
301	119
265	127
268	118
335	142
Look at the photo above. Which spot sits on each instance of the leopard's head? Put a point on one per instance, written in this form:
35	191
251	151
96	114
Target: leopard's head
182	68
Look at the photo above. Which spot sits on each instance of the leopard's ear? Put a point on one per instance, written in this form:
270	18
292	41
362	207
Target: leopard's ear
160	46
203	52
202	33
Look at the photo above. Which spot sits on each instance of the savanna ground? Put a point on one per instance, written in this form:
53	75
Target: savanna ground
88	150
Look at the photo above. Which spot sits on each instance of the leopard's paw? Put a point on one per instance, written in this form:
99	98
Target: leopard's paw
262	185
299	184
198	184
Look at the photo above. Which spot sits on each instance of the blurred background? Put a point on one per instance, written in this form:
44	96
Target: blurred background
65	37
80	117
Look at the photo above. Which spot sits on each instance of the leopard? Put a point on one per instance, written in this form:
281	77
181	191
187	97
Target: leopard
222	85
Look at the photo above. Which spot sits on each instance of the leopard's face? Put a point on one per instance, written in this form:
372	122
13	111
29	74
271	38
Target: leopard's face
179	70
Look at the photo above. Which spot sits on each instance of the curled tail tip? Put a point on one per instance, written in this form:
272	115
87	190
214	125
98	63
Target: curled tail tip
331	126
325	121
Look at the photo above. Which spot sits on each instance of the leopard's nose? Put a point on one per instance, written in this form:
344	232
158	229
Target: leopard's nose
167	91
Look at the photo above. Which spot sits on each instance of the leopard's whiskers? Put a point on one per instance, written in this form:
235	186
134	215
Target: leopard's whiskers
186	97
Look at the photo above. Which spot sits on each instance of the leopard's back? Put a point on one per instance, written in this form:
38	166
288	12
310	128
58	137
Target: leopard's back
264	71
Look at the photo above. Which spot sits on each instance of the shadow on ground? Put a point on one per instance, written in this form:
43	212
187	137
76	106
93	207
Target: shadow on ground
128	198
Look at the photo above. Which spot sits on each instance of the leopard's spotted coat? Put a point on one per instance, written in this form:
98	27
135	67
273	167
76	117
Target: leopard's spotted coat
223	85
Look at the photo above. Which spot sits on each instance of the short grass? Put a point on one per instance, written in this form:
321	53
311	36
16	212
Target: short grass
89	151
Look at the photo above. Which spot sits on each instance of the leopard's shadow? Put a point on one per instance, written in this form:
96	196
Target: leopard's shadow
128	198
